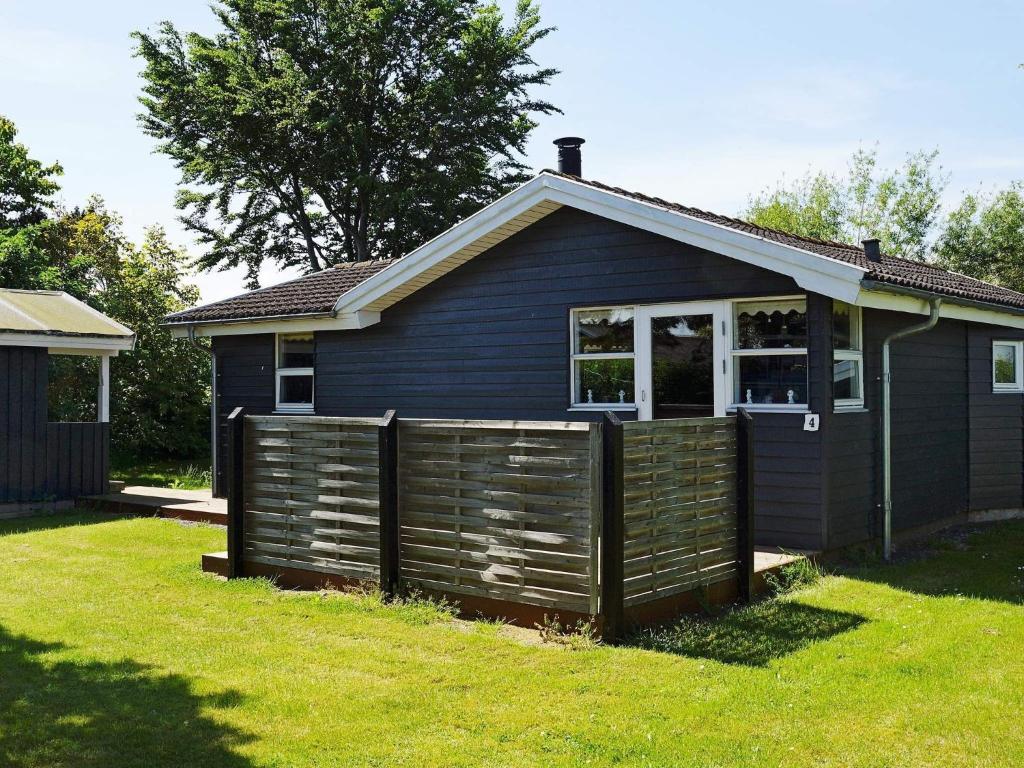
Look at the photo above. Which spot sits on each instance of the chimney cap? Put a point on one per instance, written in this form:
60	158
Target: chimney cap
569	141
871	249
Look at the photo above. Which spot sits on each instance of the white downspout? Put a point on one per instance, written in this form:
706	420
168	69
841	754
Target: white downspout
927	325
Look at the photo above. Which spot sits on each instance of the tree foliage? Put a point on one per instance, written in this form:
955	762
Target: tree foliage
901	207
317	131
159	401
984	237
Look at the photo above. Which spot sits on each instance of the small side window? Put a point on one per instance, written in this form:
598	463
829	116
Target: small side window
1007	366
847	357
295	356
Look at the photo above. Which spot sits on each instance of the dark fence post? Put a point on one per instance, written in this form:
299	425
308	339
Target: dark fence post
236	491
612	528
387	440
745	503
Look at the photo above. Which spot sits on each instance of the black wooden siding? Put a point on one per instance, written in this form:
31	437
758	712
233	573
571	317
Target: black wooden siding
929	433
41	461
997	427
22	423
245	377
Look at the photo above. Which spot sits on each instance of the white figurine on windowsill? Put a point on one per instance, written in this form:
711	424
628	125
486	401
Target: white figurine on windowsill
750	397
791	397
590	395
622	396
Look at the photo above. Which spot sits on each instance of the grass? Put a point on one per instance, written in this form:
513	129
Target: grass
166	473
116	651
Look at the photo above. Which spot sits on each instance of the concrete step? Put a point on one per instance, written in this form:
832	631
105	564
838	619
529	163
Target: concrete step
194	506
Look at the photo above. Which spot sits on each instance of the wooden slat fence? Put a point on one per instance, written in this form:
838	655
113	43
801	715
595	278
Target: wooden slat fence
77	459
511	511
679	506
501	510
311	494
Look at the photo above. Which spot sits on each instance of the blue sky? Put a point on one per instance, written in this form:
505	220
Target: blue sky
703	103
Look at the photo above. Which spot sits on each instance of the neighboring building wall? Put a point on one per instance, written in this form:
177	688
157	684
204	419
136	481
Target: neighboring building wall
997	427
245	377
23	468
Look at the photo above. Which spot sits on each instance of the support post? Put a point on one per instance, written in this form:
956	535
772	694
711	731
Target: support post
387	441
612	528
236	491
103	391
745	503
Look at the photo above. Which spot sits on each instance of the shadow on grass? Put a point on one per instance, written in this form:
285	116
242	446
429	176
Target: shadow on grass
983	561
49	521
55	712
752	636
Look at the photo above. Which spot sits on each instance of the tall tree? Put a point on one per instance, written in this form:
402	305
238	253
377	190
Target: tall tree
901	207
983	237
317	131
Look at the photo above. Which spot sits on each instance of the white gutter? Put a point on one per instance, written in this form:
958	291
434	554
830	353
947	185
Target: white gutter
927	325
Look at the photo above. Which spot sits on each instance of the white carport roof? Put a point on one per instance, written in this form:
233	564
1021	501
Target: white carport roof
59	322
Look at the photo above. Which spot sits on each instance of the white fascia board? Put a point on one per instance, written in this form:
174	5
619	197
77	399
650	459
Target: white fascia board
448	243
811	271
950	310
342	322
69	345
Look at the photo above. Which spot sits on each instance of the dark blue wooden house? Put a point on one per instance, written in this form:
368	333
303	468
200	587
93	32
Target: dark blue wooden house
567	298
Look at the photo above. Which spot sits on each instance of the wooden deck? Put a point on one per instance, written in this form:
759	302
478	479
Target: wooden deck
196	506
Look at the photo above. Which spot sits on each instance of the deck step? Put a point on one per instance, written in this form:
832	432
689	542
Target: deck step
216	562
194	506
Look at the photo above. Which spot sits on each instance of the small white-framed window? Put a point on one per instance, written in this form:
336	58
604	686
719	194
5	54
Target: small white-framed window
769	354
603	365
847	356
294	376
1008	366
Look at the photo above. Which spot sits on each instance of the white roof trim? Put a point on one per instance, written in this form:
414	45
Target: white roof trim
896	302
69	345
342	322
811	271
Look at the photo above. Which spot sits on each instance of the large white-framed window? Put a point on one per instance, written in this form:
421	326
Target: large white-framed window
769	354
847	356
603	370
294	374
1007	366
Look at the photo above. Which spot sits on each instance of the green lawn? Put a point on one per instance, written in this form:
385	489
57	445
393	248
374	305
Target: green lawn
115	650
166	473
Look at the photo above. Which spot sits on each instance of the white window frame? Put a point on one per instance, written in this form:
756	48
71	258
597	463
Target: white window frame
280	373
576	356
732	367
854	355
1018	357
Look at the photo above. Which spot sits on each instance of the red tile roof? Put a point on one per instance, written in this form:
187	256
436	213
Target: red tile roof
312	294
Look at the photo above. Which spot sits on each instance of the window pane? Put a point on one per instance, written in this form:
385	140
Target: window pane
297	390
1005	358
846	380
604	381
682	366
295	351
604	330
844	326
771	325
771	379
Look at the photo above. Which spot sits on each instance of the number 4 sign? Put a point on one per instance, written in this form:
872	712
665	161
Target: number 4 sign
811	421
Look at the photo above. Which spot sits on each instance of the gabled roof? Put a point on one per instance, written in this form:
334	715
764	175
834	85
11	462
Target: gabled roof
314	294
842	271
61	322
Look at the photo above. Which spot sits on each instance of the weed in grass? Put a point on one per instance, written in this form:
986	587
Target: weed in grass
580	636
802	572
192	478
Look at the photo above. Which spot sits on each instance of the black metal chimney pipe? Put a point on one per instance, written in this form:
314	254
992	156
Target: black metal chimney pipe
570	160
872	250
